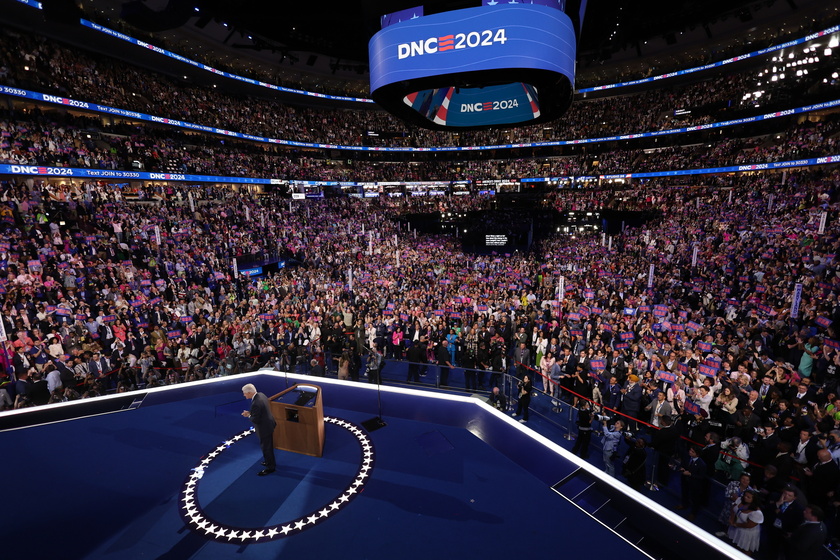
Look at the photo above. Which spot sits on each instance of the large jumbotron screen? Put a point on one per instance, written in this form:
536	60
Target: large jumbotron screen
495	64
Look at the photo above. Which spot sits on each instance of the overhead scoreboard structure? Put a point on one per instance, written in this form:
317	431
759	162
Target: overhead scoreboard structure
497	64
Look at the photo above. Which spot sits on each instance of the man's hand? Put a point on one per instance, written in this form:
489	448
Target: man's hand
246	414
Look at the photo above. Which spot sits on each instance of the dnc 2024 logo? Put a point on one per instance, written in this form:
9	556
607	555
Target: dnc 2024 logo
458	41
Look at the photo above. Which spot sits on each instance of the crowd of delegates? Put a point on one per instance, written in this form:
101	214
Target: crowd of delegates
38	64
103	294
94	303
55	139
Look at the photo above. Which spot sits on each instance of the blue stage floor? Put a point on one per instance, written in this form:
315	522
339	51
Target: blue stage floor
111	486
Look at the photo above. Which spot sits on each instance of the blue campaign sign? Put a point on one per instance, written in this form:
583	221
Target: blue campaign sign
666	376
511	36
255	271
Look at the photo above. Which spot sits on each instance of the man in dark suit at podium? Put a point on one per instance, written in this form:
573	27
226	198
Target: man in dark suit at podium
264	424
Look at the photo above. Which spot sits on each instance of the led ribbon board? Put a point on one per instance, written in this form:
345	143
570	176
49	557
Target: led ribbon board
495	65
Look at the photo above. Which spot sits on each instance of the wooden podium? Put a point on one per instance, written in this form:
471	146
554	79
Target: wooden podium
299	413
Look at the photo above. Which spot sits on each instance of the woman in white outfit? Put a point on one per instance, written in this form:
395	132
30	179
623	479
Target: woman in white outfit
745	522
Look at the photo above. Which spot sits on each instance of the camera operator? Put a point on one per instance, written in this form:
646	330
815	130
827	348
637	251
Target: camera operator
498	400
611	438
375	363
584	426
733	458
524	389
765	449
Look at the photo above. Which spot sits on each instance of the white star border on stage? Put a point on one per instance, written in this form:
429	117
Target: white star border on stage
212	529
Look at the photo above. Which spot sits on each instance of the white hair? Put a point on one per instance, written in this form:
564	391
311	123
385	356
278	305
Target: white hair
249	388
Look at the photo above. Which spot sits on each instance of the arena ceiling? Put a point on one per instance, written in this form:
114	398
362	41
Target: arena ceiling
342	29
322	46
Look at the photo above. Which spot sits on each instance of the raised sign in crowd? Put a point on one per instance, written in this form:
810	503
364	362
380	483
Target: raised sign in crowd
714	322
